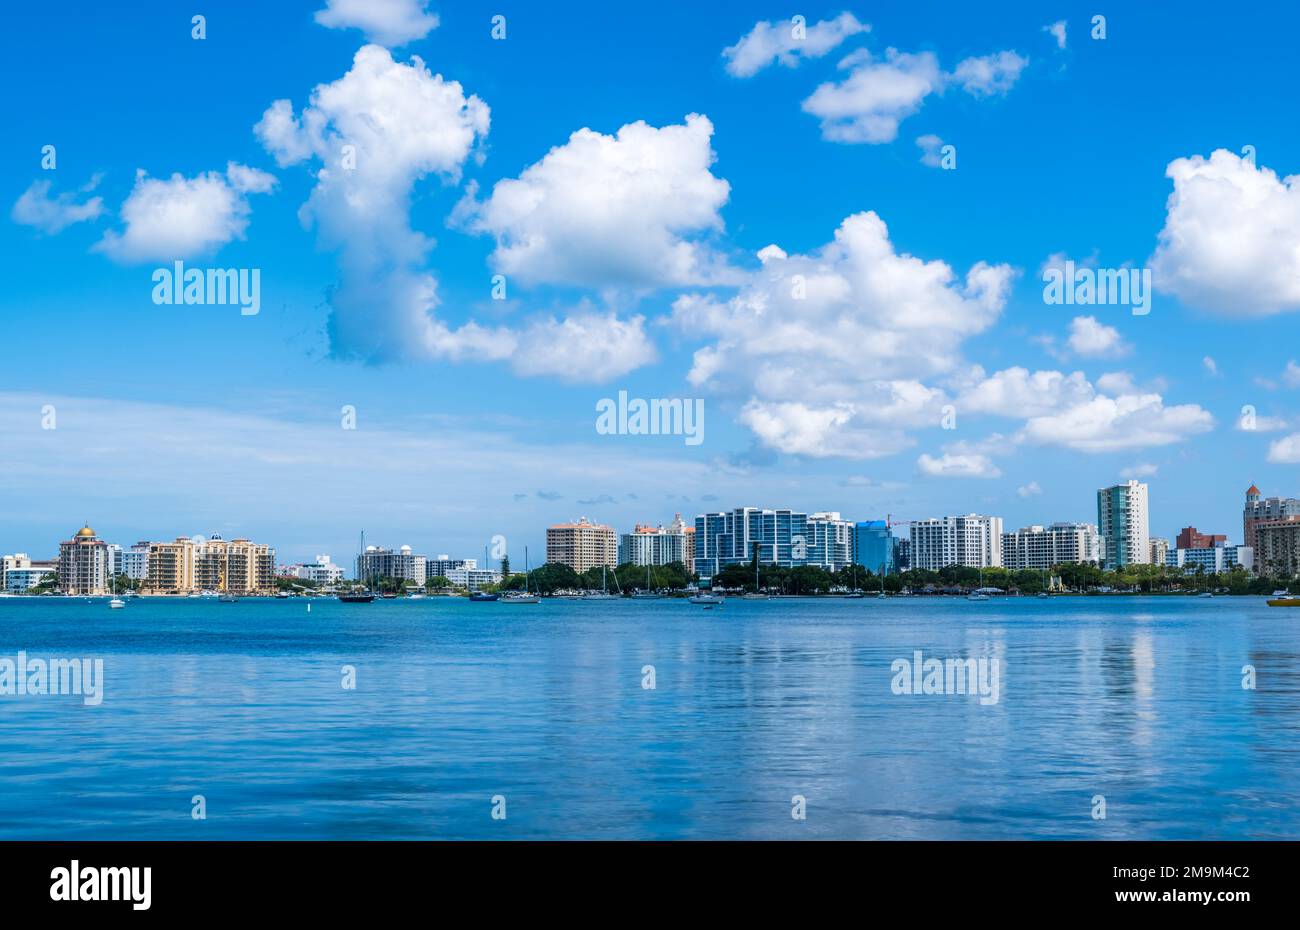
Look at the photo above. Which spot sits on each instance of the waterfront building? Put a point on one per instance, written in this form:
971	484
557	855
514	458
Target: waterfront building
875	547
829	544
18	572
730	537
170	567
1259	512
1040	547
84	564
1189	537
1278	551
1159	550
1123	522
190	565
472	578
402	564
444	564
649	545
1217	558
321	572
582	545
973	540
903	553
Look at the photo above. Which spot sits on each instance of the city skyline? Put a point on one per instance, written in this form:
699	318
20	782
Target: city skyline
204	416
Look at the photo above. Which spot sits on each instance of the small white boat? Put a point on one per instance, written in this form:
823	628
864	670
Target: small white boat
977	596
756	597
117	603
704	599
1205	594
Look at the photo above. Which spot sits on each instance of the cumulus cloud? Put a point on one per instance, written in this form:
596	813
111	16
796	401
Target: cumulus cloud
1057	31
35	207
1109	424
875	321
611	211
1019	393
785	43
1231	239
1210	365
1285	451
387	22
958	463
1089	337
930	146
180	217
1029	490
376	132
584	347
1291	374
1139	470
879	93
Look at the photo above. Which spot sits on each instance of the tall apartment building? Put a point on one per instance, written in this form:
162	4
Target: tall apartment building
402	564
783	537
875	547
1040	547
187	566
1278	551
582	545
1159	550
1260	512
85	564
973	540
1123	522
650	545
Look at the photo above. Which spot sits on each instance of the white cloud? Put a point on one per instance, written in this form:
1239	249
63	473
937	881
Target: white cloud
1018	393
387	22
403	124
1139	470
611	211
989	75
182	217
879	93
1108	424
779	42
35	207
1210	365
1285	451
1057	32
958	463
1029	490
930	146
1089	337
584	347
855	324
1231	239
1291	374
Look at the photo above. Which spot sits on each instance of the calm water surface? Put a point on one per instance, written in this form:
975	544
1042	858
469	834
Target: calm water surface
1136	699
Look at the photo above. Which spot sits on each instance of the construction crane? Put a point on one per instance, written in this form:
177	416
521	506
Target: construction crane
890	522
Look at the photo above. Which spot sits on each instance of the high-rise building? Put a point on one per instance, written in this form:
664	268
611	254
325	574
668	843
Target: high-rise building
1259	512
875	547
189	565
973	540
402	564
170	567
782	537
582	545
1278	552
1041	547
1123	523
649	545
1159	550
85	564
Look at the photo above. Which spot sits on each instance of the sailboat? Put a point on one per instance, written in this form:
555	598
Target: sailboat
856	592
649	594
116	603
978	594
359	597
527	597
603	594
882	582
757	595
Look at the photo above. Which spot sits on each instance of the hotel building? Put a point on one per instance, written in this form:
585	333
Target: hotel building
1260	512
973	540
1041	547
581	545
1123	523
85	565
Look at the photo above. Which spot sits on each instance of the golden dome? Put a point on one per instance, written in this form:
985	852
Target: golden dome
86	531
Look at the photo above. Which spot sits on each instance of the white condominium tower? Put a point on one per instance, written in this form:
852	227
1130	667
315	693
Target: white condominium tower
1123	524
972	540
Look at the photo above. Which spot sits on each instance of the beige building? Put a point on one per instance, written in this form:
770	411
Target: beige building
582	545
85	566
1278	551
186	566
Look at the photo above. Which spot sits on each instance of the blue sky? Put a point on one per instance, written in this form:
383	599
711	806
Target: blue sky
632	263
